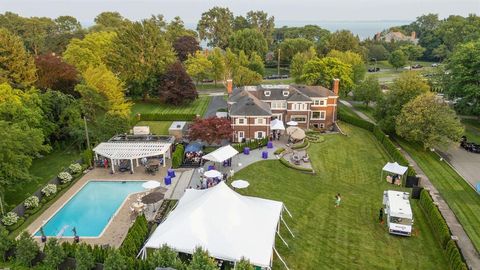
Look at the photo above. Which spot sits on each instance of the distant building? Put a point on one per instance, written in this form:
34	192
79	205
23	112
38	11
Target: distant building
397	36
251	108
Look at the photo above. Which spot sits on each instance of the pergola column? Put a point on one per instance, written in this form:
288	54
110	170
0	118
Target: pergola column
131	165
112	164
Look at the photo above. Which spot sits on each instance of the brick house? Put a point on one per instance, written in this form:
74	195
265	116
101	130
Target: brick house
251	108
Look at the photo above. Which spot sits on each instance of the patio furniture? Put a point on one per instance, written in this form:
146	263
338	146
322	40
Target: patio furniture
168	180
306	158
246	150
270	145
264	154
211	167
171	173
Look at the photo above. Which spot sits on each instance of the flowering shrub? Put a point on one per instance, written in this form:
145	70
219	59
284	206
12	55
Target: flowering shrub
10	218
65	177
75	168
49	190
31	202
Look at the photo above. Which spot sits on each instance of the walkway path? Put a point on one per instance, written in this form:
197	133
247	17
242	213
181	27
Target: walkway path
183	182
464	163
465	244
359	113
217	102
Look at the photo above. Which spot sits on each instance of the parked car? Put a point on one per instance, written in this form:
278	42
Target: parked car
469	146
276	77
374	69
207	81
435	65
416	66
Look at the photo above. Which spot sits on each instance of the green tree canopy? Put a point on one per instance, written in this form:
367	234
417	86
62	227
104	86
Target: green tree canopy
176	29
344	40
249	41
322	71
91	51
216	26
244	264
406	87
16	65
260	21
355	60
115	261
84	258
429	121
109	21
413	52
378	52
245	76
5	242
201	260
26	249
54	254
140	54
289	47
463	79
164	257
398	59
256	64
217	58
368	90
198	66
298	62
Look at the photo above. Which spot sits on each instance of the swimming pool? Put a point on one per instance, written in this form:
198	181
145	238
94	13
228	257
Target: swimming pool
91	208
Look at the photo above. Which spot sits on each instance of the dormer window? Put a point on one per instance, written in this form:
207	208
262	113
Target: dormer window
285	93
267	93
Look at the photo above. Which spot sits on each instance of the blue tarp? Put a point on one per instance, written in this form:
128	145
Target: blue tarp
193	147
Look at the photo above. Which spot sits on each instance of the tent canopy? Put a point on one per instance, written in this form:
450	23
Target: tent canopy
394	167
221	154
230	226
296	133
131	150
277	125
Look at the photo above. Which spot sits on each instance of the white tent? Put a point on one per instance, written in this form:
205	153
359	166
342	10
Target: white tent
230	226
277	125
395	168
221	154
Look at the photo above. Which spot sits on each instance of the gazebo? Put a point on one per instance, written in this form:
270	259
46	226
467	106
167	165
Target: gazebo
132	150
395	168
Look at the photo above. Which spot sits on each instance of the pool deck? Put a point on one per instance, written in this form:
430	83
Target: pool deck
118	227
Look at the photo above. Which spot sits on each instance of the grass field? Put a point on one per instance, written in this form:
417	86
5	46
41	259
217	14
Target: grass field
461	198
348	237
472	130
44	169
199	106
156	127
210	86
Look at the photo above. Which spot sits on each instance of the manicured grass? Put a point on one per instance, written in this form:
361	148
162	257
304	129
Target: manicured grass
472	130
346	110
348	237
210	86
369	111
44	169
156	127
199	106
461	198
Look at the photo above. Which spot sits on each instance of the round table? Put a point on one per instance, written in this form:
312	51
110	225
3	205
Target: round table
138	206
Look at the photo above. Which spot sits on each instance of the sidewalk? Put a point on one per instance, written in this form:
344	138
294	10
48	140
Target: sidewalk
464	243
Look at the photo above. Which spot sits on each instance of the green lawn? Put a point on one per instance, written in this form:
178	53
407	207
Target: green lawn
210	86
472	130
369	111
44	169
156	127
348	237
199	106
461	198
346	110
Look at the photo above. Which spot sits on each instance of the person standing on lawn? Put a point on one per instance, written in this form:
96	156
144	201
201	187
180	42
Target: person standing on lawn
338	199
380	215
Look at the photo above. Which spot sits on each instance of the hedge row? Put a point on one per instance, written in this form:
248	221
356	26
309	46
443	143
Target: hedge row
167	116
99	253
290	165
177	156
355	121
441	231
252	144
135	237
304	144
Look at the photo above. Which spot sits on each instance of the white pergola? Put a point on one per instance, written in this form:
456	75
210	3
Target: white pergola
132	150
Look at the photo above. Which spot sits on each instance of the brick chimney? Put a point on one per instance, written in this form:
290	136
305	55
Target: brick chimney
413	35
336	83
229	86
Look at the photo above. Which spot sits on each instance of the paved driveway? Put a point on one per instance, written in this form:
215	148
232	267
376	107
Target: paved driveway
466	163
217	102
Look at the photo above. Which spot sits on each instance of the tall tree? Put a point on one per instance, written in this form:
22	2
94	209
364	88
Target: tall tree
6	243
185	46
463	80
260	21
140	54
53	73
66	28
322	72
36	32
115	261
245	76
17	67
217	59
413	52
249	41
198	66
26	249
299	61
54	254
84	259
176	29
109	21
429	121
256	64
91	51
344	40
368	90
215	26
406	87
176	87
210	130
378	52
240	23
164	257
289	47
398	59
355	60
201	260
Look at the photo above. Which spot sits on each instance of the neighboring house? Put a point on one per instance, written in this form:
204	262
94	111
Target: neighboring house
397	36
251	108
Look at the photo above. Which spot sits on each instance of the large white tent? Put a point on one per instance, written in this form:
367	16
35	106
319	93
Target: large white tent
276	124
395	168
221	154
230	226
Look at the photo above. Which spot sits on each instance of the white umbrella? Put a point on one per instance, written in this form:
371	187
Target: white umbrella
292	123
212	174
150	184
240	184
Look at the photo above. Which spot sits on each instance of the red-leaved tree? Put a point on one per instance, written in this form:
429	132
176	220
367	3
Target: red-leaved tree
185	46
210	130
55	74
175	86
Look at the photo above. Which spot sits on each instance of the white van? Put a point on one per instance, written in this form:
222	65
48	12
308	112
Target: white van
398	212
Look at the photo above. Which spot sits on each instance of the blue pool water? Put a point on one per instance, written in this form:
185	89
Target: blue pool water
90	210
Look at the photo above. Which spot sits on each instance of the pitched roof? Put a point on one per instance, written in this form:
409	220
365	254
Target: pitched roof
247	104
314	91
298	96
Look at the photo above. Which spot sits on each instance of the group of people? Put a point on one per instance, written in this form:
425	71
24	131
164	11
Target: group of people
275	135
193	158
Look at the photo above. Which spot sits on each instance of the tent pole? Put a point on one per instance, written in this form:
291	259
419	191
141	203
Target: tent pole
131	165
281	259
288	212
283	240
284	223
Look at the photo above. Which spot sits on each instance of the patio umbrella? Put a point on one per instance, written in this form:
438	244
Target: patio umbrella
240	184
212	174
296	133
150	184
292	123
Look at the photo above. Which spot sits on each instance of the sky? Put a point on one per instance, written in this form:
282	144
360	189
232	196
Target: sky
285	12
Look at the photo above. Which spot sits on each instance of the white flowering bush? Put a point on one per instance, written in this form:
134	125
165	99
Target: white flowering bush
49	190
75	168
31	202
10	218
65	177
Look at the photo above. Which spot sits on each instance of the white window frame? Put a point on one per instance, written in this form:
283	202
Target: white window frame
285	93
260	121
303	116
299	106
260	132
240	138
319	116
278	105
245	121
321	102
267	93
278	115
